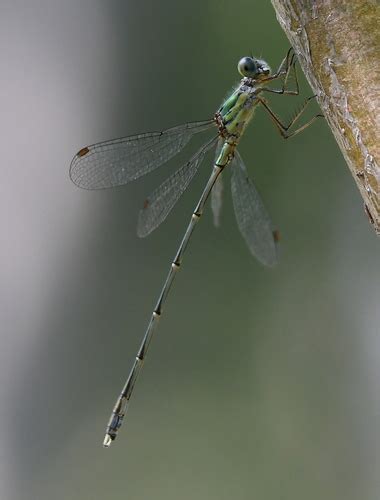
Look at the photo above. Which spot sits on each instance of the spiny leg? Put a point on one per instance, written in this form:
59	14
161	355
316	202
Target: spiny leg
283	70
285	66
283	129
284	90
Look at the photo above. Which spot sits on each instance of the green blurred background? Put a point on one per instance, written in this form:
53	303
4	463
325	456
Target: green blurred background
261	383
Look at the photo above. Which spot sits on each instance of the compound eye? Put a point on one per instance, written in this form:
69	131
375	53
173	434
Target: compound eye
247	67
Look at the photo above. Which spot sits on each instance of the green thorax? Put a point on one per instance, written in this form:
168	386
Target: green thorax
236	112
232	118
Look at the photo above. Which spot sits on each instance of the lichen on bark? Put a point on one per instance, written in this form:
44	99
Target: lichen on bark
337	43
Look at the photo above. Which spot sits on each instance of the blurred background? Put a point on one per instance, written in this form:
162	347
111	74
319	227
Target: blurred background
260	383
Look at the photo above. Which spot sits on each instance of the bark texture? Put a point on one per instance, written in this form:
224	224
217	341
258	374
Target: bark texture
338	47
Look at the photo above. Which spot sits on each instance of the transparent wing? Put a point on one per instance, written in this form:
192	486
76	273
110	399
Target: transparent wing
252	218
217	191
162	200
116	162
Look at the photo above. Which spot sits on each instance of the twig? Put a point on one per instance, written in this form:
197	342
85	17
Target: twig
337	43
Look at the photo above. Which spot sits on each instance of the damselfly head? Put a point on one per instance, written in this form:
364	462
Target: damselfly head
250	67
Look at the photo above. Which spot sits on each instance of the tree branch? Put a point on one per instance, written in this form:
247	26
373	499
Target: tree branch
338	44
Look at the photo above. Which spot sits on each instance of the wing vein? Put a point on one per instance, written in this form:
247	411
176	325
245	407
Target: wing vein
119	161
252	218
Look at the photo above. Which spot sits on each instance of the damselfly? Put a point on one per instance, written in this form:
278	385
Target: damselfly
116	162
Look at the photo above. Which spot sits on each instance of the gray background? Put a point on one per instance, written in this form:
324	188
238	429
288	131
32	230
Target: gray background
260	383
